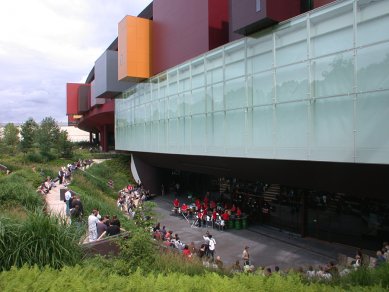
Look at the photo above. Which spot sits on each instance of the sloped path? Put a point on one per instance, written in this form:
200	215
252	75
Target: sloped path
55	206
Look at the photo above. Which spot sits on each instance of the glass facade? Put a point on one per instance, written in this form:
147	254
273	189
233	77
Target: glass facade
313	88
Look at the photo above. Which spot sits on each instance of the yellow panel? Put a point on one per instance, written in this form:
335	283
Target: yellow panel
134	48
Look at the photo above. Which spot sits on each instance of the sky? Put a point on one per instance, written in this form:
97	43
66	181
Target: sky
46	43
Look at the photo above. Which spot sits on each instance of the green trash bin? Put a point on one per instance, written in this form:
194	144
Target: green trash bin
244	222
238	223
231	222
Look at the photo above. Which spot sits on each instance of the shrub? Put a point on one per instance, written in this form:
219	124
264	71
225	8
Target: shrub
92	278
139	251
34	157
40	240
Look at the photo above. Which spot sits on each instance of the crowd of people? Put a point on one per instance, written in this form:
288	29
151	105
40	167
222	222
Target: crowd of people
203	213
130	197
207	212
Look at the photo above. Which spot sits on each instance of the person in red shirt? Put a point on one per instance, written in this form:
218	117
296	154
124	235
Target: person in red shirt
198	204
214	215
176	203
186	251
184	209
238	212
206	200
226	216
212	204
233	208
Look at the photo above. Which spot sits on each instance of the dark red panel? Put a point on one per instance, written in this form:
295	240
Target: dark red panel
218	18
180	32
245	19
100	115
278	10
318	3
72	98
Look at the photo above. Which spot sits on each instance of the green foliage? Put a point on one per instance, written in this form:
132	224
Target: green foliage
116	169
28	131
368	277
139	251
48	135
144	216
10	138
95	278
171	261
18	189
95	193
35	157
40	240
64	146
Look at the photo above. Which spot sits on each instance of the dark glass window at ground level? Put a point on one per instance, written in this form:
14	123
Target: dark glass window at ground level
334	217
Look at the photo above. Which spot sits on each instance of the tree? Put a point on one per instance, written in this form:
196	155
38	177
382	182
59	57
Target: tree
64	146
28	132
11	137
48	135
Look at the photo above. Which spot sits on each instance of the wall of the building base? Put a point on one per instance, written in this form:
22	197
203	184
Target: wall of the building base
357	179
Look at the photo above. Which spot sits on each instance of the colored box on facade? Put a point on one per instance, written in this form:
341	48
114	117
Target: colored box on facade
84	98
94	100
134	48
258	14
106	80
72	98
183	30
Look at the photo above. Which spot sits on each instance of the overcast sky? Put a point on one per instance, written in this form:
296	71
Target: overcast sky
46	43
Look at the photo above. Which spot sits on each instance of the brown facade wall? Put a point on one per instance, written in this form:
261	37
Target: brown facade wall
180	32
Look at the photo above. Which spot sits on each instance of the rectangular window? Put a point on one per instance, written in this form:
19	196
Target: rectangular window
258	5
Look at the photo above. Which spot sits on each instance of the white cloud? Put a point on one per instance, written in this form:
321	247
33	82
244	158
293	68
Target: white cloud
45	43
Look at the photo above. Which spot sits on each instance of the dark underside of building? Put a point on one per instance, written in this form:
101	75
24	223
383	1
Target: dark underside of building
339	202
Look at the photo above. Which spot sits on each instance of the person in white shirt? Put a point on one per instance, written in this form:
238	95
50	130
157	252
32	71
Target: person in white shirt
68	195
92	226
211	245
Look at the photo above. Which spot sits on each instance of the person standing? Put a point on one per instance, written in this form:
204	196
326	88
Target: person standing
68	196
211	242
246	256
60	176
92	226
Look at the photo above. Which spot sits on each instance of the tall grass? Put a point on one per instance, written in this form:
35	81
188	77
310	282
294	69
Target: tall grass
18	189
40	240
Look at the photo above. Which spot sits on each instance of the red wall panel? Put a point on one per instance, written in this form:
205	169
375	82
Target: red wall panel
279	10
72	98
318	3
218	18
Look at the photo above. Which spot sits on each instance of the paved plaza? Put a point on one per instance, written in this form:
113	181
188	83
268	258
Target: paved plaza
268	247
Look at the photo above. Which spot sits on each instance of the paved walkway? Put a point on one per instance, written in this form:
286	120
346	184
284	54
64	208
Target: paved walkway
268	247
56	206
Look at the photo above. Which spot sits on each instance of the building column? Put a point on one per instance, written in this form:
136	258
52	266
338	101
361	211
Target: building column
90	137
104	138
